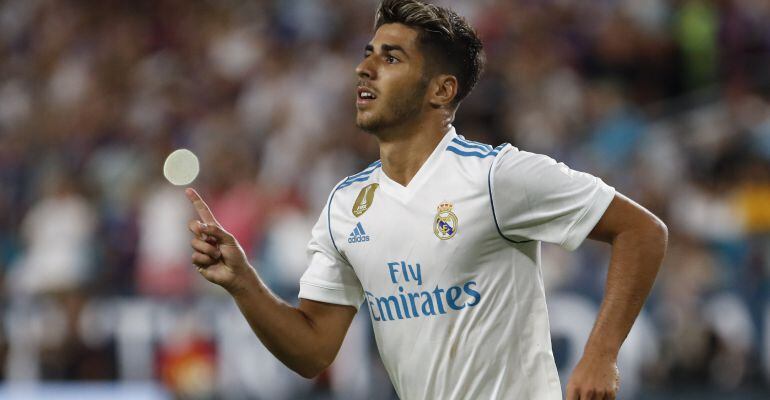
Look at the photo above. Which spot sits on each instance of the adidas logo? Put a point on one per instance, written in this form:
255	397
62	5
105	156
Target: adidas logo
358	235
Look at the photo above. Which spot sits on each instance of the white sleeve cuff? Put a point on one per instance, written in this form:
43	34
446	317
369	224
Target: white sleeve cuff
327	294
586	223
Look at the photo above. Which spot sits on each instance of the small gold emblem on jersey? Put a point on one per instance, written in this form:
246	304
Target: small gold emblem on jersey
364	200
445	222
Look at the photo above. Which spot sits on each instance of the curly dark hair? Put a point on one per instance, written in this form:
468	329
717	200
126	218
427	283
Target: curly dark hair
443	35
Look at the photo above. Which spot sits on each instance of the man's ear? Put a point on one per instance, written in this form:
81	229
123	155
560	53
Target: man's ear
443	89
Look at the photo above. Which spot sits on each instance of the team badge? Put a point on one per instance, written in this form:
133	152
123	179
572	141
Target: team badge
445	222
364	200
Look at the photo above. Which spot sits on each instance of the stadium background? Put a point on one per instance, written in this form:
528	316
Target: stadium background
665	100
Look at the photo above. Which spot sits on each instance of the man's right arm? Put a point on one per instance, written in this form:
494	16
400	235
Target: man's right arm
305	338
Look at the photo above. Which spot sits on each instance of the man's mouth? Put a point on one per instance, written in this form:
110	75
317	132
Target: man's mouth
365	95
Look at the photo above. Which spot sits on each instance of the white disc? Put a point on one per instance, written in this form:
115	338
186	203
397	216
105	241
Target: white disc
181	167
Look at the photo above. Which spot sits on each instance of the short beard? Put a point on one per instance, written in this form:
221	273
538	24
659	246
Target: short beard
399	110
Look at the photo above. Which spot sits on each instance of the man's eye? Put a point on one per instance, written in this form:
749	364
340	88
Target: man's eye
391	60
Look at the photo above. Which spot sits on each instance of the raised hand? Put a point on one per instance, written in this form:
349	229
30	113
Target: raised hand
217	255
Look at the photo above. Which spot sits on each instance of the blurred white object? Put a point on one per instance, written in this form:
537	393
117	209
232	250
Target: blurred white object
351	370
69	82
181	167
58	232
164	265
15	103
706	215
246	368
234	54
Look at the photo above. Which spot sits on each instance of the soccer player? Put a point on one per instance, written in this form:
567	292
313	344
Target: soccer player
441	238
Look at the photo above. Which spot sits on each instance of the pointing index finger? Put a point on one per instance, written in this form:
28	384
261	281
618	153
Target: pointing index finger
200	206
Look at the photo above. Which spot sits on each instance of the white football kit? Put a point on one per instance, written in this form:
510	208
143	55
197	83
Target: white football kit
450	266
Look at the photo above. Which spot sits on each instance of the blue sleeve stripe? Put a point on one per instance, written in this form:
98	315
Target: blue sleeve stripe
471	145
357	178
368	169
351	181
361	176
471	153
492	203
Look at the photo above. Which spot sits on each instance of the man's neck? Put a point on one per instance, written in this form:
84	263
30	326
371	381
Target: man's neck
403	153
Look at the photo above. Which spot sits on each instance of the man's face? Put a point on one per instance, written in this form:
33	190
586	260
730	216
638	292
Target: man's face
391	80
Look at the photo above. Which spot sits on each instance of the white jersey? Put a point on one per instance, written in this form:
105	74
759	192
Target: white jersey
450	266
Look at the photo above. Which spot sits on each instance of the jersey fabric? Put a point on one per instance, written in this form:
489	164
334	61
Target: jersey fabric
450	266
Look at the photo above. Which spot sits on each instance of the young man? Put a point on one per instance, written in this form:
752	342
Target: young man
441	238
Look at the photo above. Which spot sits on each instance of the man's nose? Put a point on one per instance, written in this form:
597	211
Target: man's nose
365	69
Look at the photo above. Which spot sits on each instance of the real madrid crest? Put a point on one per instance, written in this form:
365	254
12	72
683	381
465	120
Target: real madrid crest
445	222
364	199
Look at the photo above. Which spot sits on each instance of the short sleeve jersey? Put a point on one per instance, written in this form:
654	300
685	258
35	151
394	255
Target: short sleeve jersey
450	266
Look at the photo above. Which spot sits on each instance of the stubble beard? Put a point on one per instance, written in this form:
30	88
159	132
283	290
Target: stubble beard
398	110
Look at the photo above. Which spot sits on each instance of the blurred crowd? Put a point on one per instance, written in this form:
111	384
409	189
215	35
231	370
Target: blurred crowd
668	101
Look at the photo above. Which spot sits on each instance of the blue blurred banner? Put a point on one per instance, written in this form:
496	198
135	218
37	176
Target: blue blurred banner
85	391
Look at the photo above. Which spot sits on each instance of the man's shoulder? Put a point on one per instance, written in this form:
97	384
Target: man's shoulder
471	153
471	161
